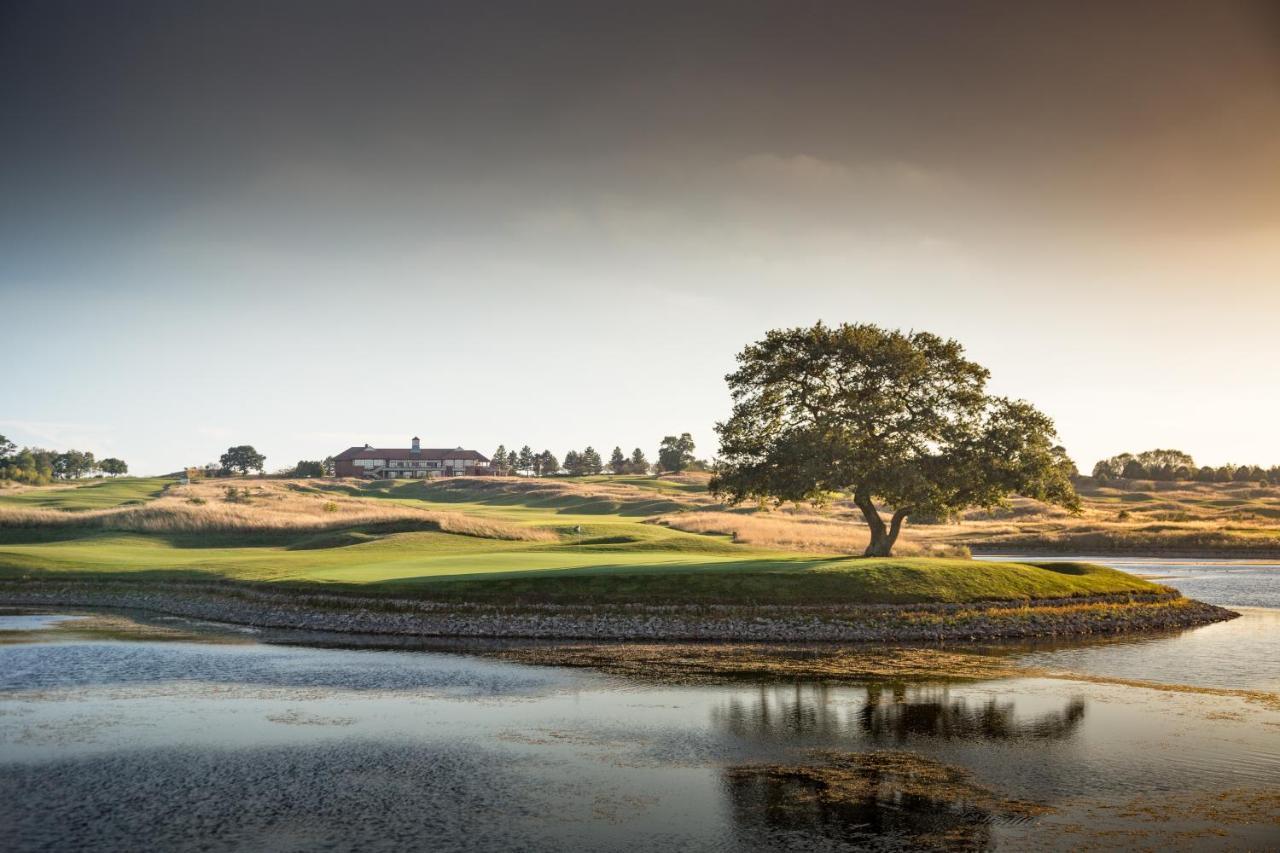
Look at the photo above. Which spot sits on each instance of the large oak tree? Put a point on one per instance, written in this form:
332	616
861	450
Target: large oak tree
899	418
243	458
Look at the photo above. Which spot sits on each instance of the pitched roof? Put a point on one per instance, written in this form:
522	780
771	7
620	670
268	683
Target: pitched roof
407	453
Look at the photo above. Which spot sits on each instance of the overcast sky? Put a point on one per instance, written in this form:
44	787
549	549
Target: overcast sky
307	225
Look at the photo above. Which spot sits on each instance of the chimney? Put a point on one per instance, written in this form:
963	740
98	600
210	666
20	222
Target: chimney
416	445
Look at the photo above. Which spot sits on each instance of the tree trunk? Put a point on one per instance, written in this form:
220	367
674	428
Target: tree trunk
882	538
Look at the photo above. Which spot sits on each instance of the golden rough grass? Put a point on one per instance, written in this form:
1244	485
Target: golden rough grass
796	531
271	506
1232	518
774	530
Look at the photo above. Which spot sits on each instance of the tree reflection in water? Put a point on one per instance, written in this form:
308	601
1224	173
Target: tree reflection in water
807	713
939	715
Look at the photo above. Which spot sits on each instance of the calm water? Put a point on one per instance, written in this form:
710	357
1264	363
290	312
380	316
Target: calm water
1244	653
128	745
1230	583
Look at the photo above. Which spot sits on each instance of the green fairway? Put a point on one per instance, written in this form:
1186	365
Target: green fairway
447	565
524	502
97	494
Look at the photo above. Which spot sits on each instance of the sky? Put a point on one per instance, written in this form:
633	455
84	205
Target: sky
310	225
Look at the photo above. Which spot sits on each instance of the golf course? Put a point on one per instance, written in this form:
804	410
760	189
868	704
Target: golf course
486	539
513	556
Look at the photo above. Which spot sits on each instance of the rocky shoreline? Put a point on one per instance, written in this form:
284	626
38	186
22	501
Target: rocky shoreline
302	610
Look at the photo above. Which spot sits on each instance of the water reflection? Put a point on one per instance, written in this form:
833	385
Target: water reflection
897	713
894	799
934	713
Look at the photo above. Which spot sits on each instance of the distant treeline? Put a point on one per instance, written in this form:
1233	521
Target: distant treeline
675	454
37	466
1170	465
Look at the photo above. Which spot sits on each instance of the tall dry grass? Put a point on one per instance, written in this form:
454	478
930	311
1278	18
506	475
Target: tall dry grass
773	531
269	507
796	532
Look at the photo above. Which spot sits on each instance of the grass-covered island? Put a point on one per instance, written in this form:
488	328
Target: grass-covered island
511	557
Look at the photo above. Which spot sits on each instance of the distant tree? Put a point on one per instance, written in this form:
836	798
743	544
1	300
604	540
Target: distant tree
73	464
328	466
308	468
617	462
1244	474
525	460
573	463
638	464
1205	474
1224	473
1147	465
1113	468
1134	470
1163	464
591	461
31	465
499	460
1273	475
548	465
903	418
242	459
7	449
113	466
512	461
675	454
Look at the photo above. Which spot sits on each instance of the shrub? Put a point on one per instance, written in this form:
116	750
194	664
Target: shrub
330	506
237	496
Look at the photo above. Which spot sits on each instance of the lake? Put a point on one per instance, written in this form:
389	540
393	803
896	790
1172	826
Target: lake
230	739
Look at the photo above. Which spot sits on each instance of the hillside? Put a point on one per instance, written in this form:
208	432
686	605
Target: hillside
96	494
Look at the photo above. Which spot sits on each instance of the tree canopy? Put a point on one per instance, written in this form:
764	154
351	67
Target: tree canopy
74	464
676	453
524	461
546	464
591	461
1147	465
243	459
903	418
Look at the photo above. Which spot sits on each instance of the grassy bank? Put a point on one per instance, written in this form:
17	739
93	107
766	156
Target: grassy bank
93	495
